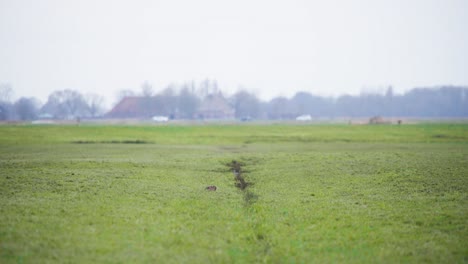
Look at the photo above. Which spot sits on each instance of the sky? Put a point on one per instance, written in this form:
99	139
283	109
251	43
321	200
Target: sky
270	47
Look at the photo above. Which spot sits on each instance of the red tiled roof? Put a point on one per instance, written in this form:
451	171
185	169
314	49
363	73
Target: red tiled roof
215	106
130	106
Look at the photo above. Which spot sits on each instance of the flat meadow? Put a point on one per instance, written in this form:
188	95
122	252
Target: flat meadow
313	194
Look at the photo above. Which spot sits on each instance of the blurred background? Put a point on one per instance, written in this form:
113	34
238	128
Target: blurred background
233	60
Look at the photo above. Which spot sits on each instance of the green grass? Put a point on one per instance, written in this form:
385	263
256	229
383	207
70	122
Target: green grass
328	193
234	134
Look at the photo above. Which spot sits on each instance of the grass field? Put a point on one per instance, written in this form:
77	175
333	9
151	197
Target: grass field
315	194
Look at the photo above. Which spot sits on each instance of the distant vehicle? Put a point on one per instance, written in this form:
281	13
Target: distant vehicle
45	116
304	118
160	118
246	118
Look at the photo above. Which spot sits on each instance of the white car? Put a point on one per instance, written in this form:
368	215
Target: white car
304	118
160	118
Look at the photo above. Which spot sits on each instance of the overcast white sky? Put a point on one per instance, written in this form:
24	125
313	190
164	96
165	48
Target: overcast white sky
327	47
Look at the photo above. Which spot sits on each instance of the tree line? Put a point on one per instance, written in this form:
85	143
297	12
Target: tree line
182	101
63	104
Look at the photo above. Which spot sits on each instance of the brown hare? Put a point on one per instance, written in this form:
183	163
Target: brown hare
211	188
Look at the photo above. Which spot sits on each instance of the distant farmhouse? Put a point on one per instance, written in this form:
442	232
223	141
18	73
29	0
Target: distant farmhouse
214	106
133	107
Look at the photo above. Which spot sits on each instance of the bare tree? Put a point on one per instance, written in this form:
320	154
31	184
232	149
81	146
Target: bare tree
95	104
246	105
188	102
208	87
26	108
168	101
6	107
6	92
6	111
278	108
147	89
66	104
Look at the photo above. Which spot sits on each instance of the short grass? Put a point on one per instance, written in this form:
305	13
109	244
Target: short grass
233	134
331	193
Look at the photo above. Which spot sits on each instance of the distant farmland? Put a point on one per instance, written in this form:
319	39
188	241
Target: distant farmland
284	193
